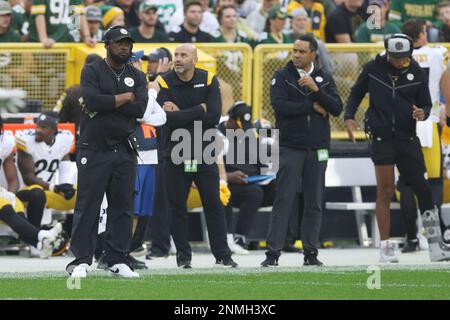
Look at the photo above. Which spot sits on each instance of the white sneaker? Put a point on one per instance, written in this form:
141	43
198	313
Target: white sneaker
45	248
122	270
234	247
80	271
173	249
46	241
423	242
387	253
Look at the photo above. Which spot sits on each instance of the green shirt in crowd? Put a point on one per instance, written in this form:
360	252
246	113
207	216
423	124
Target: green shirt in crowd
158	36
20	21
364	34
403	10
267	38
59	19
240	37
10	35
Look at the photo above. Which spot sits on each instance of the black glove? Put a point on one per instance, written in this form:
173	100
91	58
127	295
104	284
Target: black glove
65	188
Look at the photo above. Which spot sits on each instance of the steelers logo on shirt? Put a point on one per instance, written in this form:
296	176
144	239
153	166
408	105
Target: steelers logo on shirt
129	81
410	76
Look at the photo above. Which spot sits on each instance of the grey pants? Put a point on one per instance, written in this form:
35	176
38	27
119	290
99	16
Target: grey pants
299	170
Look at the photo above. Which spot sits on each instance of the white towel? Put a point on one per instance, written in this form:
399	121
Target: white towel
425	133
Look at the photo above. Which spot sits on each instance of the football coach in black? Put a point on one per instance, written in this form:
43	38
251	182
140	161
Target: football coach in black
189	94
114	95
303	97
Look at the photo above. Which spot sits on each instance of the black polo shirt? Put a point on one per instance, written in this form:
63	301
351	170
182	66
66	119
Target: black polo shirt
188	96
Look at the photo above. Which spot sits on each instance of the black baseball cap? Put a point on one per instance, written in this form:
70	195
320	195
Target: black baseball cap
242	113
157	54
48	119
117	33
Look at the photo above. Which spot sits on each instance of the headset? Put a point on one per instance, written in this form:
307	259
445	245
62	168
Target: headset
400	36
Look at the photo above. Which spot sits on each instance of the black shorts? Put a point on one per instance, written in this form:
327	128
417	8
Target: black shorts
405	154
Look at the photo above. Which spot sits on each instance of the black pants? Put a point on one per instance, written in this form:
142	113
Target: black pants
248	198
26	231
160	220
35	200
299	170
178	186
113	172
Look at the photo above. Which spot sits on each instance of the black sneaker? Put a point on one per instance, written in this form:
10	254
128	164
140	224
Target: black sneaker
411	245
184	264
156	254
226	262
270	261
135	264
311	258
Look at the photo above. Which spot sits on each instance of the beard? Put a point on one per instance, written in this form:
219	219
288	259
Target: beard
119	59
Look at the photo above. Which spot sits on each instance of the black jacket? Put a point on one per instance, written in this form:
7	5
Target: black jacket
300	126
392	96
188	96
102	125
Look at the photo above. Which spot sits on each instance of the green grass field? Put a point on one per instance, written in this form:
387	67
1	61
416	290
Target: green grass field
242	284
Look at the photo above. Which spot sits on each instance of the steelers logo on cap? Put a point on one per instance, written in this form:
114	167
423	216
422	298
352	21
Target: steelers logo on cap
399	46
42	117
123	31
247	117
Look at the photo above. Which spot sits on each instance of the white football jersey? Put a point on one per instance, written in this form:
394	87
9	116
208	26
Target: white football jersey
46	157
433	59
7	145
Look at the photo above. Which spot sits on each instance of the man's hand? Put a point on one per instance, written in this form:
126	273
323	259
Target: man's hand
48	43
309	83
236	177
90	42
351	125
418	114
164	65
66	189
169	106
154	85
318	108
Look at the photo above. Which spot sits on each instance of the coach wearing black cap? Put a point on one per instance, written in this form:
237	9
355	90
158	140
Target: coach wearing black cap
114	96
399	97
